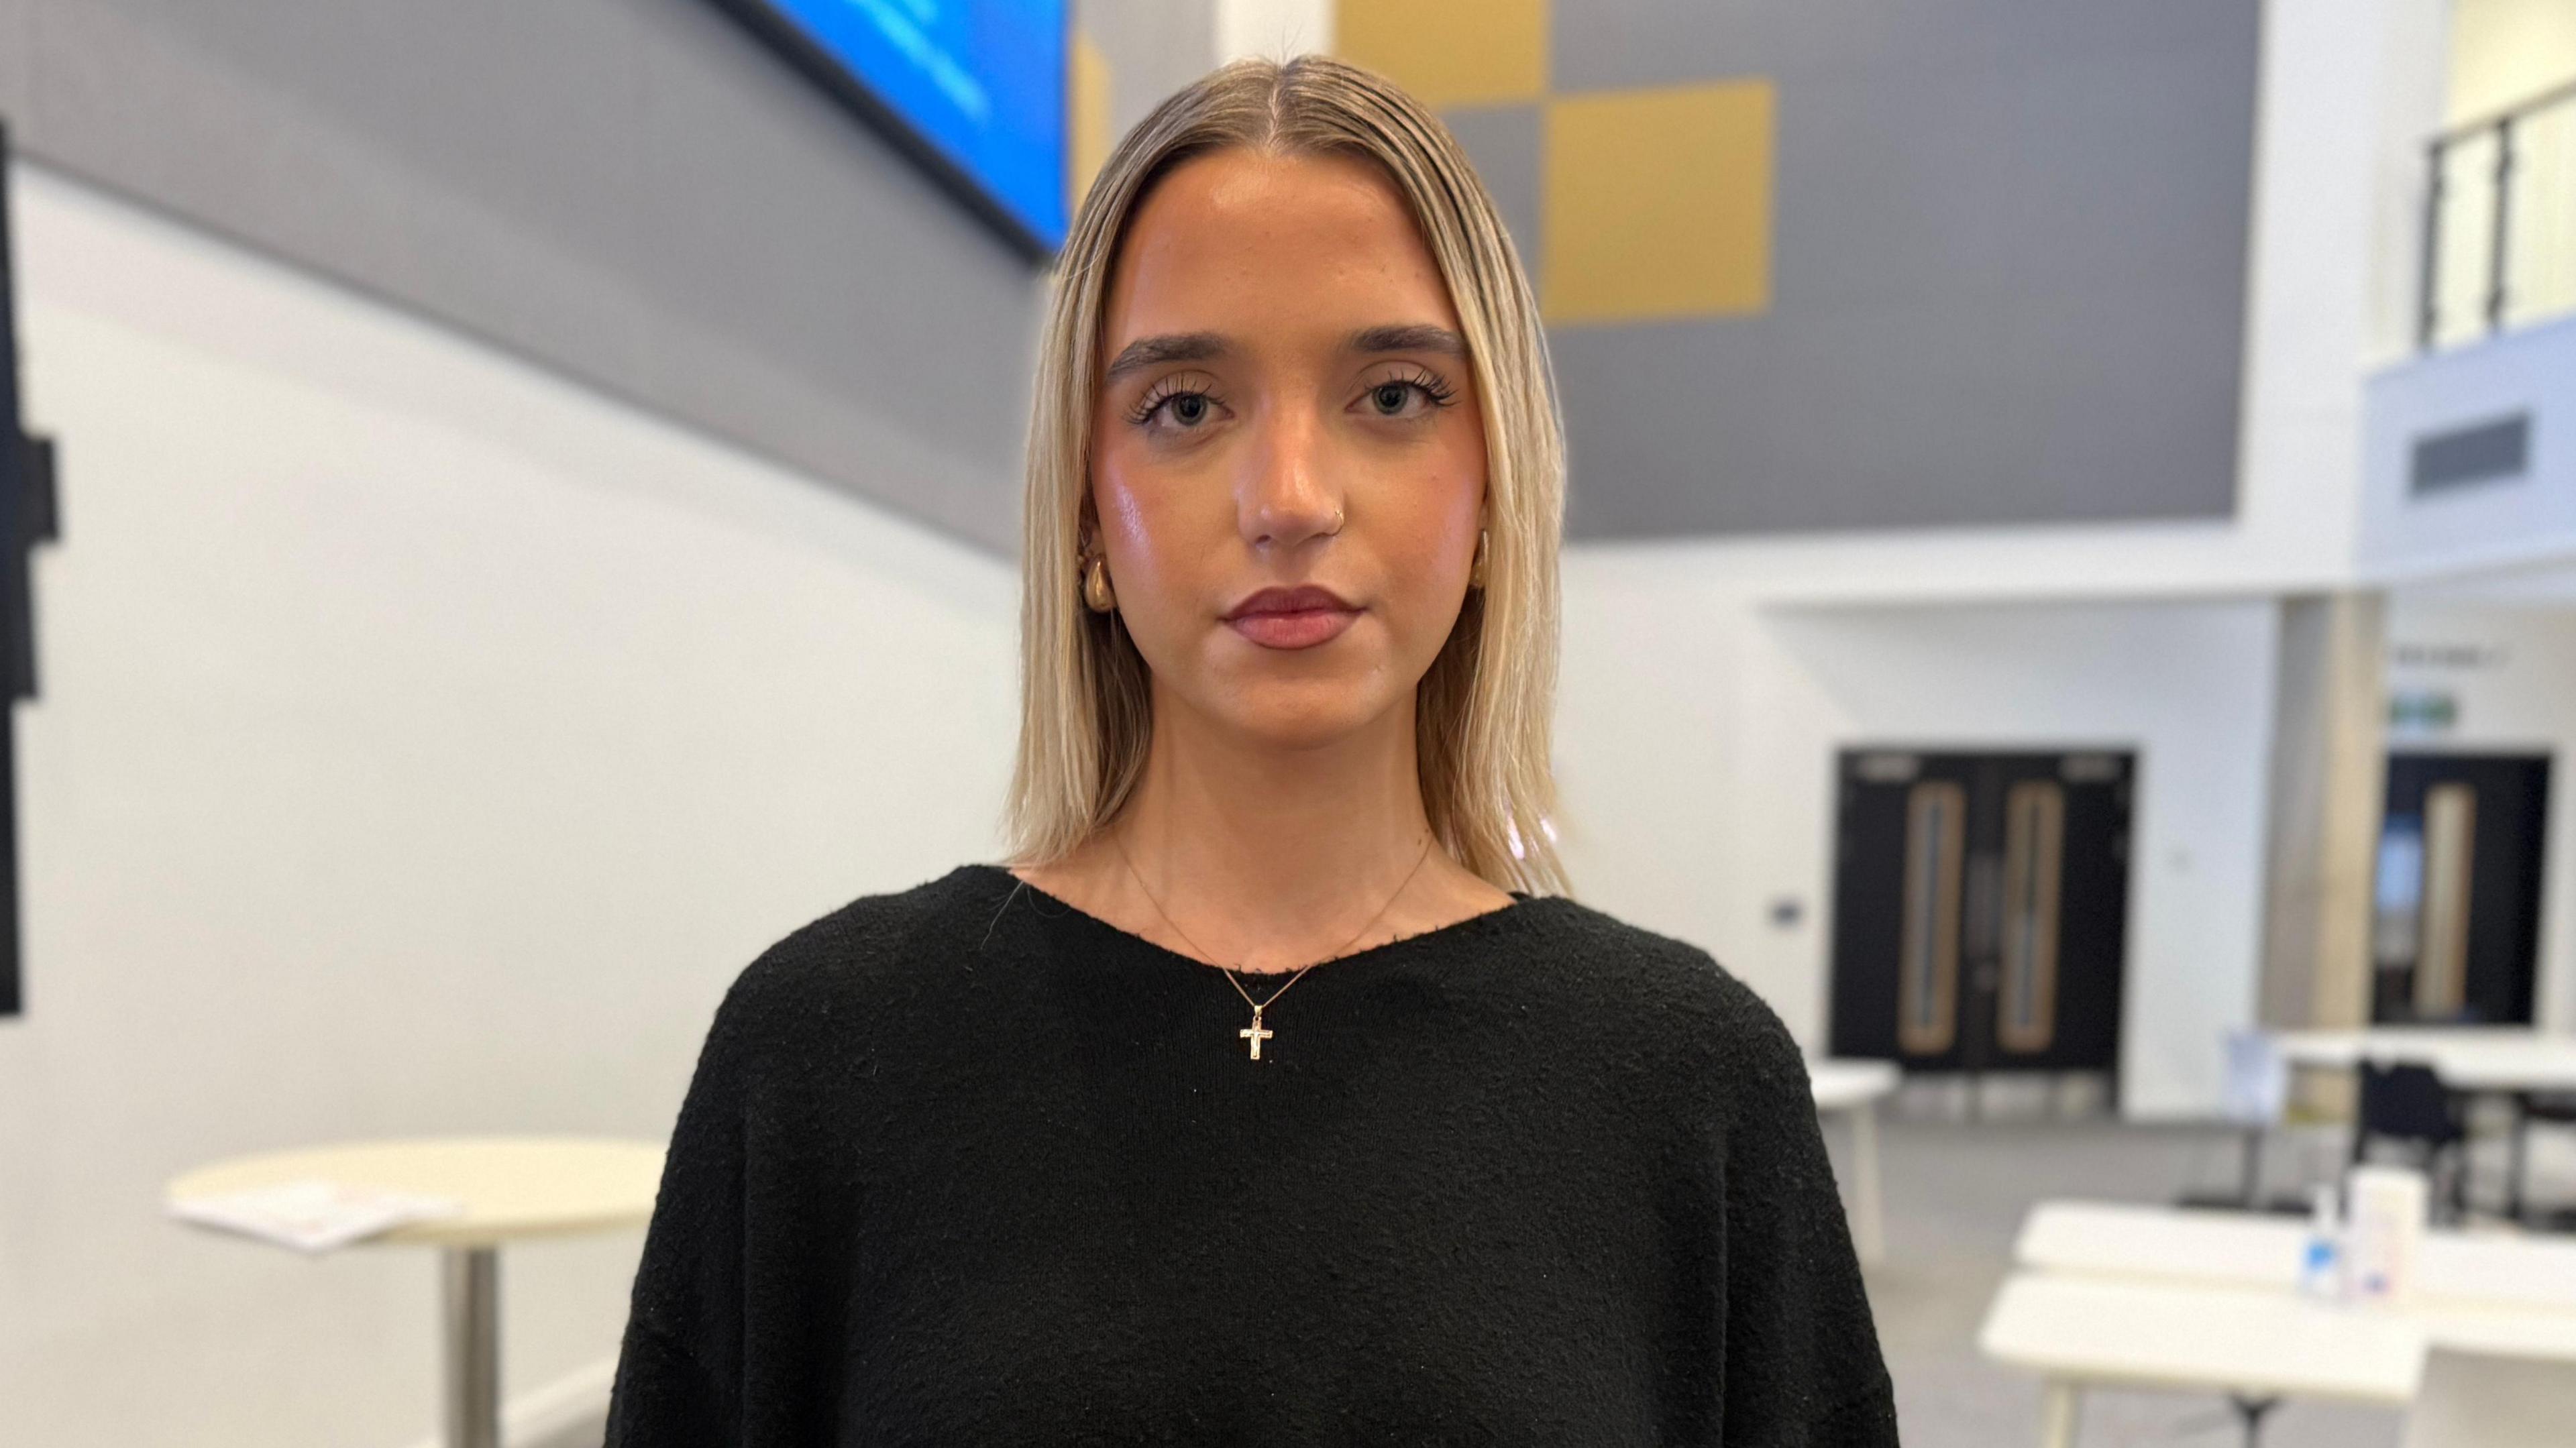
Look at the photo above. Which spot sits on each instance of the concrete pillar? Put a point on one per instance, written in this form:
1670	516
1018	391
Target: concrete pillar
2329	767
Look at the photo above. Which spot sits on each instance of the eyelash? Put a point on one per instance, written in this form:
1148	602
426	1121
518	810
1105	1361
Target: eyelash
1164	391
1440	393
1430	385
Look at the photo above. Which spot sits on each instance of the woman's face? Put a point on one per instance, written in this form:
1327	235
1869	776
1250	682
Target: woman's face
1288	461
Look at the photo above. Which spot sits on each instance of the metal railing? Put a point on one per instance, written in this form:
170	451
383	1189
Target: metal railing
2512	260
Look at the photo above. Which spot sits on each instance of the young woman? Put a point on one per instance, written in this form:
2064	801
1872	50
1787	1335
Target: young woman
1269	1094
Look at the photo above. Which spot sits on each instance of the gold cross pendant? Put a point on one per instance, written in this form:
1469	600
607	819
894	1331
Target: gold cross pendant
1255	1034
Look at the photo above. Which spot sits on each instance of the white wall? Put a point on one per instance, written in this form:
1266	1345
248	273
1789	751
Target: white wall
2519	696
2506	51
1276	29
424	744
1698	750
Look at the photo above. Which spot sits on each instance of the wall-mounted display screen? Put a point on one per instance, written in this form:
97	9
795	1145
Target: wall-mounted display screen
973	88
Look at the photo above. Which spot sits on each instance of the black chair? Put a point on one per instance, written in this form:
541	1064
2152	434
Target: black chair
2405	1102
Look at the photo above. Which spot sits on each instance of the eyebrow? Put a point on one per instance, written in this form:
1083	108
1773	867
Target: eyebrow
1175	347
1147	352
1409	337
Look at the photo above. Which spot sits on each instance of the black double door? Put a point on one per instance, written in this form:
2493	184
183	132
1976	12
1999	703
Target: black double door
2455	926
1981	908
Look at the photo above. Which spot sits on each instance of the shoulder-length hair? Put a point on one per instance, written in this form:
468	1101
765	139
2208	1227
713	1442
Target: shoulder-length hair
1483	708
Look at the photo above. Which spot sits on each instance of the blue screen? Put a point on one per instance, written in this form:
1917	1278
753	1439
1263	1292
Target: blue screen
982	81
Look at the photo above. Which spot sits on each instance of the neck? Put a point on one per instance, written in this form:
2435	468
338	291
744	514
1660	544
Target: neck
1267	856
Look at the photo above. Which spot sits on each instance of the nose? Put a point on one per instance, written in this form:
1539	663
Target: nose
1284	495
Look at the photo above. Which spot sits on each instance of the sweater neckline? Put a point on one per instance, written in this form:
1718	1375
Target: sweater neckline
1061	909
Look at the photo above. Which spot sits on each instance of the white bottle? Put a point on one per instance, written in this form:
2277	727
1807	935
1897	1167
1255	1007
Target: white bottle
2321	1256
2388	1210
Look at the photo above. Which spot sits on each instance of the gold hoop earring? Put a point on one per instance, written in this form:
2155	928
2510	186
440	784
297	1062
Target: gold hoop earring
1476	570
1095	587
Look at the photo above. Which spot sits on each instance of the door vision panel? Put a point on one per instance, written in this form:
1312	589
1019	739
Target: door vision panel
2455	931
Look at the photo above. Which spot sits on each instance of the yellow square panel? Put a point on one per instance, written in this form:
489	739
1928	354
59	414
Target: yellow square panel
1087	92
1658	203
1449	52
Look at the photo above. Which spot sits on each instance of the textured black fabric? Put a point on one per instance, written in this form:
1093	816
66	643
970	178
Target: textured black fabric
965	1166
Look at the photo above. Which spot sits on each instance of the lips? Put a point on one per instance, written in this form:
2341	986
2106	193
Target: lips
1292	618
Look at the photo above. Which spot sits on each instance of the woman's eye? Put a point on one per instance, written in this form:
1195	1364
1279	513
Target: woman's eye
1179	408
1404	397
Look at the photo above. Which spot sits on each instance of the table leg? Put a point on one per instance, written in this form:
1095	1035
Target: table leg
2061	1404
471	1283
1869	1220
2463	1107
2251	1412
2518	1143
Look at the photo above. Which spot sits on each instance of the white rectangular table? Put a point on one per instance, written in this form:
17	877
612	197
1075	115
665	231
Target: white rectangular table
2469	1058
2260	1250
2133	1296
2514	1062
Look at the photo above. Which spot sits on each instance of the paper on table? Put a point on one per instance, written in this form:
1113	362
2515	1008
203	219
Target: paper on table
313	1215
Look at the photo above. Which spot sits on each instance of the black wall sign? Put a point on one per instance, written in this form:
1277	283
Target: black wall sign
27	511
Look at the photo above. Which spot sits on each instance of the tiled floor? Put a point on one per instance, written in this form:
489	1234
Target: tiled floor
1956	1195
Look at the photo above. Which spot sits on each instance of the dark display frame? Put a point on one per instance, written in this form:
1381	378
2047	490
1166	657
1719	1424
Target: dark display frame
783	35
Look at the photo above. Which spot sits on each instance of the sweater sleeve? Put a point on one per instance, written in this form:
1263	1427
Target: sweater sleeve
679	1365
1803	1367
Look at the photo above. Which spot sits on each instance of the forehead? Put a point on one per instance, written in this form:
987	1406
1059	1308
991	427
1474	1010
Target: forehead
1273	250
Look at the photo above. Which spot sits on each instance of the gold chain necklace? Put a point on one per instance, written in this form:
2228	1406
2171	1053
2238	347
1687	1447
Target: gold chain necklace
1256	1033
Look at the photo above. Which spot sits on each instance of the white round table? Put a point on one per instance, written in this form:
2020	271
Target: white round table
1852	1088
513	1188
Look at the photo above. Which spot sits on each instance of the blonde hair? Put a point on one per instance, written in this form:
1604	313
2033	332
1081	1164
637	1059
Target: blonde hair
1482	710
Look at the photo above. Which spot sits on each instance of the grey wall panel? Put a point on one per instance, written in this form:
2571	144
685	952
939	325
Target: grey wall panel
1889	417
17	66
1613	43
1154	48
634	191
2008	270
1503	144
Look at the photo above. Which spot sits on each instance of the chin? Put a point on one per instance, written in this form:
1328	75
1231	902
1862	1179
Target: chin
1305	714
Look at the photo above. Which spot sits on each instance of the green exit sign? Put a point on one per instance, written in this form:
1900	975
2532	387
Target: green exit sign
2423	709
